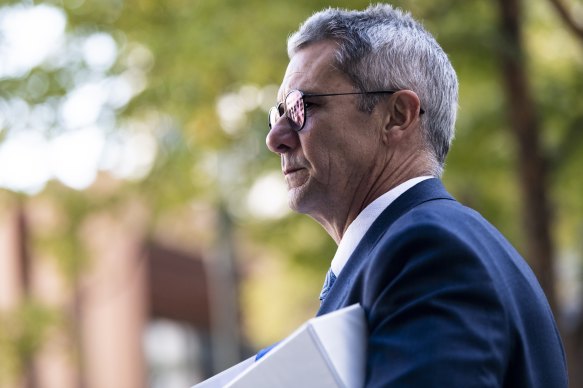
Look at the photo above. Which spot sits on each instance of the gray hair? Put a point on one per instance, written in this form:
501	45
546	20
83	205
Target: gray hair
385	48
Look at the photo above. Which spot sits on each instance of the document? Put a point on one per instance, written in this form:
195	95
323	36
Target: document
326	351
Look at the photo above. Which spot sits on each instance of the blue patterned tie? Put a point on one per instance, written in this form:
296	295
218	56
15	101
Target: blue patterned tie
330	279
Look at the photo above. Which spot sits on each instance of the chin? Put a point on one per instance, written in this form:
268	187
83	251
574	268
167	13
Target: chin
294	204
297	199
303	201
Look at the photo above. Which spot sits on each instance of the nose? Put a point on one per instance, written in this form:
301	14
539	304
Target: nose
282	138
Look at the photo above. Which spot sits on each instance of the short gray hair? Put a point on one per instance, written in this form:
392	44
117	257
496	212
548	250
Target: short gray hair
385	48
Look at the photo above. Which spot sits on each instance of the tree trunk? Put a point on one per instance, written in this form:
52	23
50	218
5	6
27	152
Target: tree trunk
530	155
533	174
24	260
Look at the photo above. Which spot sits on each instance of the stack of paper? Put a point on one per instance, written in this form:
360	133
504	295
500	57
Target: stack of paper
327	351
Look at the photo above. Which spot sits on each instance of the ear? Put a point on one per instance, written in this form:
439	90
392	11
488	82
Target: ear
403	110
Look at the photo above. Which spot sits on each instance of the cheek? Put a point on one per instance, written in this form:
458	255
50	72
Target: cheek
338	149
316	151
331	164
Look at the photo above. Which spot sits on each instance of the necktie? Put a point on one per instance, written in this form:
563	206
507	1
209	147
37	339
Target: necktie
328	283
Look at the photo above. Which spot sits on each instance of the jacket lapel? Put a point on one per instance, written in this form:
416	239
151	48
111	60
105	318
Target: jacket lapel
428	190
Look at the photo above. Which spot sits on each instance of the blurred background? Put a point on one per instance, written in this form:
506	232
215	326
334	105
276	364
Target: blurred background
145	239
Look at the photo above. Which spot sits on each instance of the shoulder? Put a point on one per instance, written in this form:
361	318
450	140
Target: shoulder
441	245
444	284
436	225
442	227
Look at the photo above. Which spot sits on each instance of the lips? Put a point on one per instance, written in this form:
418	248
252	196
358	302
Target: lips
291	164
291	170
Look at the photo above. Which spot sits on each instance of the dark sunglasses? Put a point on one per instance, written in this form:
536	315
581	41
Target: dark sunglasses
293	107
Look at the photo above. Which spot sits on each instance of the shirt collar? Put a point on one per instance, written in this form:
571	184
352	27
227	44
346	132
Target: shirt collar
357	229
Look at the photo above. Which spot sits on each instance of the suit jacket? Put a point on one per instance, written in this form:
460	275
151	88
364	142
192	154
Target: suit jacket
449	302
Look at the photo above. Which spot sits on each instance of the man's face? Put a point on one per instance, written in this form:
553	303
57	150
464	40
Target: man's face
328	165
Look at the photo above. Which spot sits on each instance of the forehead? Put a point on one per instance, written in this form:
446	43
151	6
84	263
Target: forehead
312	69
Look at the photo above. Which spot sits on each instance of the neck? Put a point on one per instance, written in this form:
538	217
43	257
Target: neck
338	218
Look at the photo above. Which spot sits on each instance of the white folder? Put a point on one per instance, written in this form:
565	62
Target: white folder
327	351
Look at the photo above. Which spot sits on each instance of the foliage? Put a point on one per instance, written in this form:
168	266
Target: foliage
23	330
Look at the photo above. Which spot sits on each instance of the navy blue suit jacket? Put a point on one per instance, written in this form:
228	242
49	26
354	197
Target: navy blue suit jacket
449	302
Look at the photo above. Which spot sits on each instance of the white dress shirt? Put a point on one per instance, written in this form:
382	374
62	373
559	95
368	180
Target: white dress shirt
357	229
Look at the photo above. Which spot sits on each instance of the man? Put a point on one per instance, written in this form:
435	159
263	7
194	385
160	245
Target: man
364	120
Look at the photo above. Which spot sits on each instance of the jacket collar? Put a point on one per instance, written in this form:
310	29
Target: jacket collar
428	190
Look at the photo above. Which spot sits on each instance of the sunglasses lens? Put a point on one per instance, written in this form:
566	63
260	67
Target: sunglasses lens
274	115
294	107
